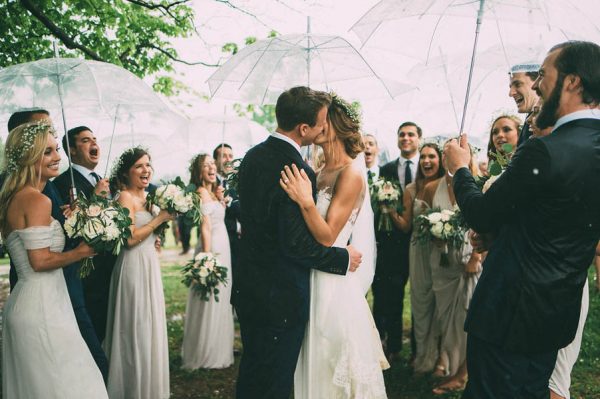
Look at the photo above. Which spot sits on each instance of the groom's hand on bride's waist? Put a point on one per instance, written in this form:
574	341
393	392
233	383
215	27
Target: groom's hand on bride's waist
355	258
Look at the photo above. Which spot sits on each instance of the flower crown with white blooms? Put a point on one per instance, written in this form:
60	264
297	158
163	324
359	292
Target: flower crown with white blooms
14	155
119	161
349	109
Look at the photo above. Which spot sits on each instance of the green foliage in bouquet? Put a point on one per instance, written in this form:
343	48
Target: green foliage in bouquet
446	225
101	223
176	197
498	162
204	273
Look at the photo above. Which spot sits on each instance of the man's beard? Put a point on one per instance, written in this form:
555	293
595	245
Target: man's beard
549	113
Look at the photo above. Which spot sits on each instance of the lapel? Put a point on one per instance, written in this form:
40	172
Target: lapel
82	184
287	149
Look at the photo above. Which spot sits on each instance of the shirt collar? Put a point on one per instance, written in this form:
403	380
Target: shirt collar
374	169
584	114
287	139
414	160
83	170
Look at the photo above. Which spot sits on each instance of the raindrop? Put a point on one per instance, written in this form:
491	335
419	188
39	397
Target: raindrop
536	171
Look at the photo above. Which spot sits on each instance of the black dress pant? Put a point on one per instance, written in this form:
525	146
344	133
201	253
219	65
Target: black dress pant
495	373
269	359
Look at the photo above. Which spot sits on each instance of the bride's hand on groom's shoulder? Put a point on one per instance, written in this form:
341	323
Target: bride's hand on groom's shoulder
355	258
297	185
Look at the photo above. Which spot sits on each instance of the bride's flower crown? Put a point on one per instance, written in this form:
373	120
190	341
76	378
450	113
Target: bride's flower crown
114	171
13	155
349	109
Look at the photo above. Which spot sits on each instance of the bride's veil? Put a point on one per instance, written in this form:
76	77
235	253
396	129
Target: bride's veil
363	234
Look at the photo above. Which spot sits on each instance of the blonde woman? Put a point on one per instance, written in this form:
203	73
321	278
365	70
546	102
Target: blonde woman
44	355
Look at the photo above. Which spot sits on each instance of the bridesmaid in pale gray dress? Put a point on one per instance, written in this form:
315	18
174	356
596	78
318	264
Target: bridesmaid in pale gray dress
209	333
136	330
454	277
426	332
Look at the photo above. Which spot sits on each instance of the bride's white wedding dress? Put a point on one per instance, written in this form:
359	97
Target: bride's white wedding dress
341	356
44	355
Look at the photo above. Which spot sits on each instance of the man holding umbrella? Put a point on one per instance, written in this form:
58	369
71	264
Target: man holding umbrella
544	209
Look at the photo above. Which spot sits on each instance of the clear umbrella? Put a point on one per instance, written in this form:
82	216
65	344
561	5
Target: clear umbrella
73	87
420	27
261	71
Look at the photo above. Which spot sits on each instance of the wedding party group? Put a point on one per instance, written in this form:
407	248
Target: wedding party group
496	252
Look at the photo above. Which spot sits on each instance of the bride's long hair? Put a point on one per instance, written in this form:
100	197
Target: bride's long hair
24	148
344	121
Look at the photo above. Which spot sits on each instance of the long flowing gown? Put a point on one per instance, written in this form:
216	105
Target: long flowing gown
453	289
341	356
136	330
422	298
208	333
44	355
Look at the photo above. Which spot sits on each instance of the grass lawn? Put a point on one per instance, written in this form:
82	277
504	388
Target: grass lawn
400	382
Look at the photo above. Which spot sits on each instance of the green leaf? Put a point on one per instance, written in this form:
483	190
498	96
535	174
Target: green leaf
495	169
507	148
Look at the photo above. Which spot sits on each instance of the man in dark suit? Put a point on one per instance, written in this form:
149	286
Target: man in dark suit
271	288
371	158
544	208
522	77
223	156
391	271
85	155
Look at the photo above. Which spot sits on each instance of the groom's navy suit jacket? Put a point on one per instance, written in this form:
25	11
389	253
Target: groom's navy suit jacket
271	285
545	209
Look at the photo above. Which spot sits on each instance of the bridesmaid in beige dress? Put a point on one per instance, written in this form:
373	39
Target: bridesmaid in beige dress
453	285
208	332
426	332
136	330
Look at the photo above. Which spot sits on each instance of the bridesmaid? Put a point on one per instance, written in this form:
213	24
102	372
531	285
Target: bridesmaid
505	130
426	333
453	285
208	332
136	330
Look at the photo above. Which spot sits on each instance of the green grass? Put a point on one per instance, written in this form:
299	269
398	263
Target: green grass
400	382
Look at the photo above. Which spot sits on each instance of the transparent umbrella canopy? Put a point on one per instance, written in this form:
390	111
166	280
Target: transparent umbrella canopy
76	90
260	72
205	133
416	29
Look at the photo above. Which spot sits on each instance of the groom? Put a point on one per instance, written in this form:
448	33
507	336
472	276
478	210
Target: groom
544	208
271	287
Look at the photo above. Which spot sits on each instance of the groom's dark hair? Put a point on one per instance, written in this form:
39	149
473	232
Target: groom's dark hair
299	105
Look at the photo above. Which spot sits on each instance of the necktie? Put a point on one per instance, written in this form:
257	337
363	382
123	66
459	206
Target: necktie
370	176
407	174
96	176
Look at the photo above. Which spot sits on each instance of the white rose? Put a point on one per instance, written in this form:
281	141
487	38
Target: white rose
94	210
434	217
448	228
109	214
445	217
437	229
210	264
70	224
111	232
93	228
201	255
203	273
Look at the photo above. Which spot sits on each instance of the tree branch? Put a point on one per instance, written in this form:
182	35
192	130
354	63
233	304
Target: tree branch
171	56
163	8
56	31
231	5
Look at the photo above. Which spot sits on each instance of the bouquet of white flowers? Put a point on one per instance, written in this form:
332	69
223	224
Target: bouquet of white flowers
498	163
103	224
385	194
205	274
175	197
445	225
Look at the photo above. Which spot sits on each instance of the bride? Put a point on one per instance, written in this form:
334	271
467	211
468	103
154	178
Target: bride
341	355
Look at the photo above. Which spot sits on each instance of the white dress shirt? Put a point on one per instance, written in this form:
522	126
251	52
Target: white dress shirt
402	167
375	171
289	140
584	114
85	172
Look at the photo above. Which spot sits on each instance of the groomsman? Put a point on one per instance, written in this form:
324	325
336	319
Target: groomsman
521	81
85	155
223	155
544	209
391	272
371	157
